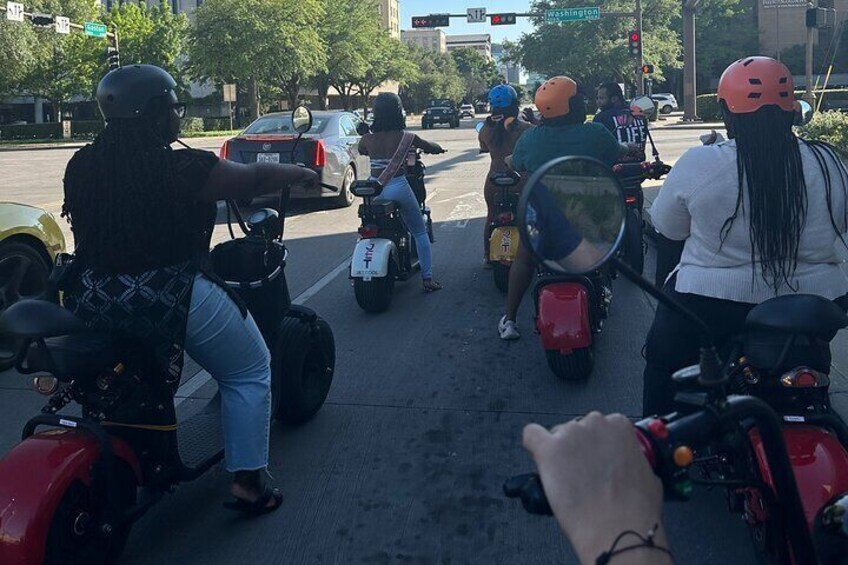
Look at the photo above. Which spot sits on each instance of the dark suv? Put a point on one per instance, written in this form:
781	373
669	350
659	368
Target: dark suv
440	111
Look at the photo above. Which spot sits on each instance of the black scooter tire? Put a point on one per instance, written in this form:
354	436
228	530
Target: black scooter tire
574	366
632	245
65	547
302	367
374	296
500	274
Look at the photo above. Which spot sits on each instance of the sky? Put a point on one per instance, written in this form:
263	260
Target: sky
409	8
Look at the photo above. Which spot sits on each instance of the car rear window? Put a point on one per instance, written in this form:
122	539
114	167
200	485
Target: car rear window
282	124
440	102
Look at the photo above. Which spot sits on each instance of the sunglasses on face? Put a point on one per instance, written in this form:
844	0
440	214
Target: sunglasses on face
180	109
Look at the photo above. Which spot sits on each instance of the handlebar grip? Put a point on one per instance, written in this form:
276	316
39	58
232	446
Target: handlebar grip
528	487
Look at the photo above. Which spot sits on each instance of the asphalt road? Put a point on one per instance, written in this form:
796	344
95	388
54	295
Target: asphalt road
405	462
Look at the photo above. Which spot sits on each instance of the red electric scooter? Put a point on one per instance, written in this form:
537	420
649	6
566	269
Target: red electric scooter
760	424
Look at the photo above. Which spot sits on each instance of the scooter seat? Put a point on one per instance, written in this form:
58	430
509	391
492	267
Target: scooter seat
39	318
73	355
805	314
378	208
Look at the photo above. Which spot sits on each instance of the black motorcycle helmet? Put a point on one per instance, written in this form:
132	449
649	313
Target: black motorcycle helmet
388	113
140	92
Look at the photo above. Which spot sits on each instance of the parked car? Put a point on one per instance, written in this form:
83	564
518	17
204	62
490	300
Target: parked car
466	111
331	148
440	111
666	102
30	239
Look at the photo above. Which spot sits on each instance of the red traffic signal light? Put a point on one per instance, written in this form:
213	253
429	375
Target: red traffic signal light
647	69
433	20
635	45
502	19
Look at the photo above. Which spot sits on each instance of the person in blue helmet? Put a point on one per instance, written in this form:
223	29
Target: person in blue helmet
497	138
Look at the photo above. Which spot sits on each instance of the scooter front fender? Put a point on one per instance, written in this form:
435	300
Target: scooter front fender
562	317
819	461
34	477
371	258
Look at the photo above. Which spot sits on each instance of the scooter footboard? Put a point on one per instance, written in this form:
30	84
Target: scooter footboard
562	316
34	477
818	459
371	258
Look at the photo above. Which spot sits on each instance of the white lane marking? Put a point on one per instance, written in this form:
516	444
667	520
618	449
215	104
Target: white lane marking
460	197
464	211
203	377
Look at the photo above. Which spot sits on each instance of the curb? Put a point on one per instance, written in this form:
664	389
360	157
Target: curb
42	146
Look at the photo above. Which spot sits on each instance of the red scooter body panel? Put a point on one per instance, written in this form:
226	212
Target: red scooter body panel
563	316
34	476
819	461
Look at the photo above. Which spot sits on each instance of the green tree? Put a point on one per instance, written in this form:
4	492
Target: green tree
391	61
437	77
477	72
725	31
348	28
150	35
264	44
64	66
596	51
17	47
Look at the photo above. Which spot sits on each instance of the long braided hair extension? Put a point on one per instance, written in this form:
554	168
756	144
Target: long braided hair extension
771	175
120	193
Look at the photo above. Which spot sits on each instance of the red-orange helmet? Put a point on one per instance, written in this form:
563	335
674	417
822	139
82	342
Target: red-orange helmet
753	82
553	99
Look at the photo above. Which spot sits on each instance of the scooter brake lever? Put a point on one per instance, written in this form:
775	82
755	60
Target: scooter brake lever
528	487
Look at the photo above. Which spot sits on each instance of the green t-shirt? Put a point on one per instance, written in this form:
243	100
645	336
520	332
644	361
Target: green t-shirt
539	145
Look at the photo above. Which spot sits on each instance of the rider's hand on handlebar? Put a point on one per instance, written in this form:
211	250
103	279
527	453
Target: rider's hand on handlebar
599	484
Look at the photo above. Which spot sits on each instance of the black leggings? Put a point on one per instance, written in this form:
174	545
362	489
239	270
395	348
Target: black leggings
674	342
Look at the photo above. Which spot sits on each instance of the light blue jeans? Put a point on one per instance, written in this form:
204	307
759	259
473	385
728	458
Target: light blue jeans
398	191
233	351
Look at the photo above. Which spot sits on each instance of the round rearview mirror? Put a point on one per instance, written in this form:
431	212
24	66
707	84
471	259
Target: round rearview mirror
572	214
642	106
804	114
301	119
479	126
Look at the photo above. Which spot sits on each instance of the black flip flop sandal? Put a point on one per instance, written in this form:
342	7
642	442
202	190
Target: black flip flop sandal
432	286
259	506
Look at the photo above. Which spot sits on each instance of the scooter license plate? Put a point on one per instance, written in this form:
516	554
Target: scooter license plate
503	243
268	158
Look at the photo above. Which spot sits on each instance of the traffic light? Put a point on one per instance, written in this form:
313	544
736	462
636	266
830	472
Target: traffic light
42	20
502	19
113	58
647	69
635	43
433	20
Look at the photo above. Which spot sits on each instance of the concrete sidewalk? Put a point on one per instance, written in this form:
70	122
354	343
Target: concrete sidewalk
76	144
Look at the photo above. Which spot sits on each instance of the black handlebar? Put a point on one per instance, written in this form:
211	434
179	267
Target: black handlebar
662	438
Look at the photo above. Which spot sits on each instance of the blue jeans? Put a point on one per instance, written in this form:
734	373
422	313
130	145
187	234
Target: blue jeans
398	191
231	348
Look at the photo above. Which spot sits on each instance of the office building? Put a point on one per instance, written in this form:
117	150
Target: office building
429	39
482	42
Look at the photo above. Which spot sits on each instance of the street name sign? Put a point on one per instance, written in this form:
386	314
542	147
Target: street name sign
95	29
476	15
559	15
14	12
63	25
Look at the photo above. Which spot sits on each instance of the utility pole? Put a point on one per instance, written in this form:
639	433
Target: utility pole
640	76
690	100
809	96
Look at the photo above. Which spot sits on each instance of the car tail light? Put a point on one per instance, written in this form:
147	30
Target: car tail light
320	154
225	150
804	377
367	232
506	218
630	199
617	168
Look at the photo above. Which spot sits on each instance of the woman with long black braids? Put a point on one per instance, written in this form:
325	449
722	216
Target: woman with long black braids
761	215
142	216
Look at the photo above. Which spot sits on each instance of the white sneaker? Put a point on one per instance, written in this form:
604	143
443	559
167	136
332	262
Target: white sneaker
508	329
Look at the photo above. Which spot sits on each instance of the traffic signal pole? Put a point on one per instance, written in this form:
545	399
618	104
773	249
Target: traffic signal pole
690	100
640	76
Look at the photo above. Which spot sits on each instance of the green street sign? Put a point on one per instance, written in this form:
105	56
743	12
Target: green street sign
95	29
558	15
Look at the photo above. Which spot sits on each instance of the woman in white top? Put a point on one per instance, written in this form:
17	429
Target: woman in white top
762	215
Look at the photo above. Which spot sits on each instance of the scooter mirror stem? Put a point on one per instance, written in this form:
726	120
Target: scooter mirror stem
665	300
